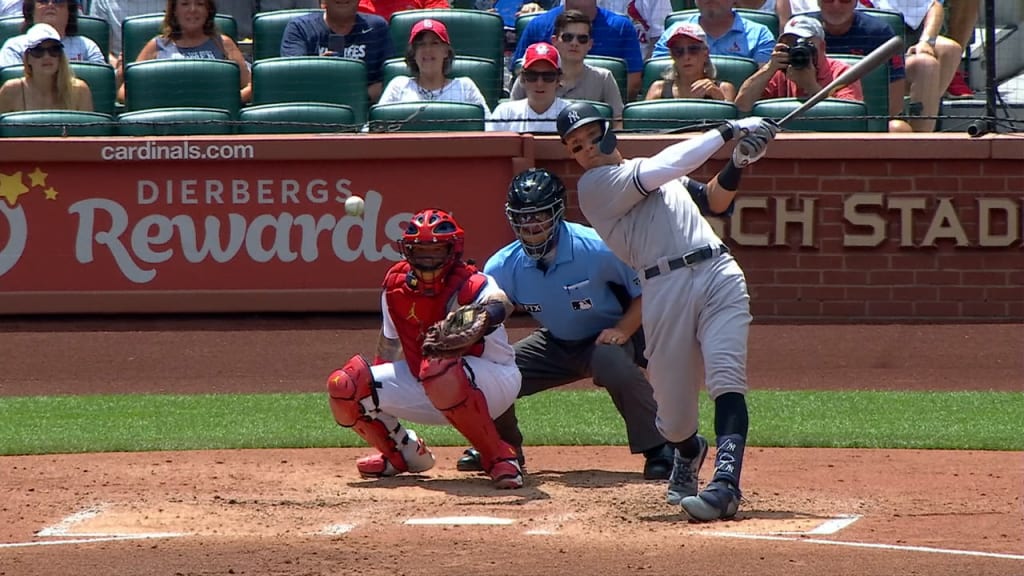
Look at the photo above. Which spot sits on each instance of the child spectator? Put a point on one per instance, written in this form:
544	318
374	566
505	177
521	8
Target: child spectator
537	113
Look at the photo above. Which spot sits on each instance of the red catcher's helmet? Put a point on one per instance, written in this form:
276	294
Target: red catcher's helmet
426	231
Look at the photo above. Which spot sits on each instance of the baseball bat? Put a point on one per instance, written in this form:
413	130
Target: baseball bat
876	58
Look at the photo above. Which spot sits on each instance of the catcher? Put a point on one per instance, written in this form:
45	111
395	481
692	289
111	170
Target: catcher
458	367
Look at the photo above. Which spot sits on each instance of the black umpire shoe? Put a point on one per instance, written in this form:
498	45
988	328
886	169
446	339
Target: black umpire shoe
659	462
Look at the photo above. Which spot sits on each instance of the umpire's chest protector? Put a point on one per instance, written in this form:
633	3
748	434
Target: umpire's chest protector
413	311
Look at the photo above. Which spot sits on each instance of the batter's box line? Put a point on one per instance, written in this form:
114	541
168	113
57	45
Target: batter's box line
872	545
830	526
63	528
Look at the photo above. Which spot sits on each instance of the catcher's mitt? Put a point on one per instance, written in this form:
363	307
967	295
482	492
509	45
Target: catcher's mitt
461	329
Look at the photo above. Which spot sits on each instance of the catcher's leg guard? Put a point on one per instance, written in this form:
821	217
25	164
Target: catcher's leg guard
465	407
353	399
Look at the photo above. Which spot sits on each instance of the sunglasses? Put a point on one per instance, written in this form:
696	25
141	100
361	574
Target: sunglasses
693	49
54	50
568	37
532	76
54	2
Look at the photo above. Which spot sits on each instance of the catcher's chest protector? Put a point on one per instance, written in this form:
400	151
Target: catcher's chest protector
413	312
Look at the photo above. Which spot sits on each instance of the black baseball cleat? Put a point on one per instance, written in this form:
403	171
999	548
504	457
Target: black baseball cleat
470	461
659	463
719	500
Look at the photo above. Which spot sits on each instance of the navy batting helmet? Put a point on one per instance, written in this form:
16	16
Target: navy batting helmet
579	114
535	207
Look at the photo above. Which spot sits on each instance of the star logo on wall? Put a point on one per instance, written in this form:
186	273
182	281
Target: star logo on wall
38	177
11	187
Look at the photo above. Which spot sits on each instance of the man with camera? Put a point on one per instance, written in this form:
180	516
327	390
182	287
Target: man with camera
798	68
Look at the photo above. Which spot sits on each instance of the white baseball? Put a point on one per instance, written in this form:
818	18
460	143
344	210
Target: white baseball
354	206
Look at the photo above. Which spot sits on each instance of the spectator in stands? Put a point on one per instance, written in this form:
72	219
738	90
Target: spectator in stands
271	5
780	78
692	74
189	31
578	81
728	33
963	17
931	59
611	34
385	8
48	82
10	8
851	31
648	17
114	12
366	38
62	15
537	113
429	58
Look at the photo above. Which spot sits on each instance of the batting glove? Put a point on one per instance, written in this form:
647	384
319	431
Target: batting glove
754	145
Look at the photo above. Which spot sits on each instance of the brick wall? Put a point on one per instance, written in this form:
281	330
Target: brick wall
834	227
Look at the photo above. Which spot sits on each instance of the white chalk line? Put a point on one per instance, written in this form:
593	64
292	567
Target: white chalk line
460	521
61	528
111	538
894	547
827	527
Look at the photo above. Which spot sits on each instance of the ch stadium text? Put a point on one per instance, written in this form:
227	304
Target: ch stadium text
150	150
870	219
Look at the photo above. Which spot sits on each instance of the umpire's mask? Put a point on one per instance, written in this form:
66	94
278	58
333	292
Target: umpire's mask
535	207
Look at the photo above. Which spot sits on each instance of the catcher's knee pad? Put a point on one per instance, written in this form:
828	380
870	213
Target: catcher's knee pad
445	382
347	388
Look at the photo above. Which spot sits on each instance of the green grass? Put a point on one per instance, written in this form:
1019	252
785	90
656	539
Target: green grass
926	420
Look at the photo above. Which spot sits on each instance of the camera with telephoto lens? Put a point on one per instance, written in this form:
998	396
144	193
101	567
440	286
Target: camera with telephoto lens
802	54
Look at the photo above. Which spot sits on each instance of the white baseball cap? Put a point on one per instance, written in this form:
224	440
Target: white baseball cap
40	33
804	27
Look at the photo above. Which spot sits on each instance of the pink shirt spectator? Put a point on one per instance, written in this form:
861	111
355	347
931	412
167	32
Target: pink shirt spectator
780	87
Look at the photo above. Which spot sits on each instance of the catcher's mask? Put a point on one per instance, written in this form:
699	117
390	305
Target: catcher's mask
580	114
432	243
534	208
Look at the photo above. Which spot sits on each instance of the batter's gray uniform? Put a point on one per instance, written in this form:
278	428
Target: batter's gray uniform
688	311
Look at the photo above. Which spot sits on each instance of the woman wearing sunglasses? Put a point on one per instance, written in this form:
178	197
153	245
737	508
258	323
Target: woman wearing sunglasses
62	15
48	83
692	74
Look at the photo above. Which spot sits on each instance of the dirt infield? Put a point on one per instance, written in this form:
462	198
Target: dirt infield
584	510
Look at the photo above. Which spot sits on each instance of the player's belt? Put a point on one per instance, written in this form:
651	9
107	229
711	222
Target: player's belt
691	258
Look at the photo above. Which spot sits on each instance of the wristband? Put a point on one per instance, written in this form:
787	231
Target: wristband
729	177
727	131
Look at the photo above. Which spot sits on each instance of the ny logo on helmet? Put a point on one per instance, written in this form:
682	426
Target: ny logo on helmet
574	116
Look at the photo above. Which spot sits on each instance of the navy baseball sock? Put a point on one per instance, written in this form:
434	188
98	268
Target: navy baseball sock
731	423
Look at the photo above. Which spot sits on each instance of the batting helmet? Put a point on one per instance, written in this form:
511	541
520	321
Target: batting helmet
427	230
579	114
535	207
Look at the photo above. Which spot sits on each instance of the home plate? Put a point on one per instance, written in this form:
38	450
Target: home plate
460	521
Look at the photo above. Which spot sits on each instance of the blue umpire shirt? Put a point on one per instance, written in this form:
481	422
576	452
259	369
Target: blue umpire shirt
613	35
745	39
572	298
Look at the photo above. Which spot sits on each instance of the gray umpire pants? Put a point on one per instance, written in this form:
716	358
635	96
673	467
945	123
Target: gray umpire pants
548	362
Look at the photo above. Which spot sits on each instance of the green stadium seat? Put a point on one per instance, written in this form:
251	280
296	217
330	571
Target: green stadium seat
617	66
311	79
97	30
875	85
473	32
769	19
42	123
10	26
136	31
174	122
268	29
675	114
831	115
297	118
893	19
173	83
99	77
432	116
485	74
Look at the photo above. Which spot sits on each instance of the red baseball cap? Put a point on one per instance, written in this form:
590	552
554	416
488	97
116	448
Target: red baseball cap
430	25
542	52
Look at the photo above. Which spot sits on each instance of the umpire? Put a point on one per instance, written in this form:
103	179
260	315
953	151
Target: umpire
587	302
